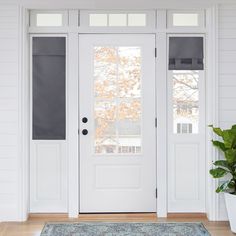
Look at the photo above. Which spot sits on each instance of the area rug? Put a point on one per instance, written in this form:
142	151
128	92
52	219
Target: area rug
124	229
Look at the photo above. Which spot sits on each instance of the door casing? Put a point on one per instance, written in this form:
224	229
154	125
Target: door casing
161	32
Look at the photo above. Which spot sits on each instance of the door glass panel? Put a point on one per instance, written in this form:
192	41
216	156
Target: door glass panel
117	99
129	69
185	101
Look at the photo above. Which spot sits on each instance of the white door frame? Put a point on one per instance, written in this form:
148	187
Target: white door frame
61	144
161	32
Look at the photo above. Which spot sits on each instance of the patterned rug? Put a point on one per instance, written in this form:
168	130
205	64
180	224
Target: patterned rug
124	229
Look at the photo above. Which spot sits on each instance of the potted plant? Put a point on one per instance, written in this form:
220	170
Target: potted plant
226	169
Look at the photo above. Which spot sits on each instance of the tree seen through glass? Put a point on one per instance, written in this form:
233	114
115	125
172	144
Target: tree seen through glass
117	106
185	101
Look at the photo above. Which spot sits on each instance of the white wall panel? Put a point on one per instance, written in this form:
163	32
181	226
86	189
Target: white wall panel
228	116
227	92
227	67
227	76
8	79
8	139
227	80
7	199
8	92
227	44
9	112
227	33
227	103
8	176
8	128
9	116
227	56
8	43
7	152
8	56
8	188
8	104
8	163
4	33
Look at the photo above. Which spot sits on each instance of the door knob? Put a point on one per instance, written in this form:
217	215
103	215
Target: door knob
84	119
84	131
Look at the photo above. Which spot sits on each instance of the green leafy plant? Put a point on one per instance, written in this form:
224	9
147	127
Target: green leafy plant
227	167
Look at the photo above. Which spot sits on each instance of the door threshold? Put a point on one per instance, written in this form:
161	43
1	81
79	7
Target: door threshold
187	215
134	217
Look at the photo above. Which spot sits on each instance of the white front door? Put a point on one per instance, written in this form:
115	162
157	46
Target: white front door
117	123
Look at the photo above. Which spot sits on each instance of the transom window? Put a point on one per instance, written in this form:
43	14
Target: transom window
117	19
44	18
96	19
186	19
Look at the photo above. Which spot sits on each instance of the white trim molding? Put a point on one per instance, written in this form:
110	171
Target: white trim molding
24	107
212	107
73	117
161	108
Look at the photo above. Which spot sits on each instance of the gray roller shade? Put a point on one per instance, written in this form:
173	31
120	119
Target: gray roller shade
186	53
49	97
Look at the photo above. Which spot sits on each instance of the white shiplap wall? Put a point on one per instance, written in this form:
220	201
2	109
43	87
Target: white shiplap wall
227	74
9	112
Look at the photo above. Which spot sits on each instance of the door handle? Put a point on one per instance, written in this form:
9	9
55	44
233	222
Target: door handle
84	131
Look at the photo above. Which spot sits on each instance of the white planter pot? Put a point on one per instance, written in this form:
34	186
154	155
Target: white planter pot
230	201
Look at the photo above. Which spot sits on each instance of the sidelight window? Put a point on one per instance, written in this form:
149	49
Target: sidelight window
185	101
186	61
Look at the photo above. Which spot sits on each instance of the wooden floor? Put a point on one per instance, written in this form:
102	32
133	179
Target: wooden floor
36	222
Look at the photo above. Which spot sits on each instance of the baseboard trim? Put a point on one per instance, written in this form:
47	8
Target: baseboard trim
47	215
35	216
186	215
94	217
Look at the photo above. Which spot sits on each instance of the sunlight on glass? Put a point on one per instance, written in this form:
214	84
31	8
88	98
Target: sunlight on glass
185	19
185	101
137	19
98	19
117	19
49	19
117	91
